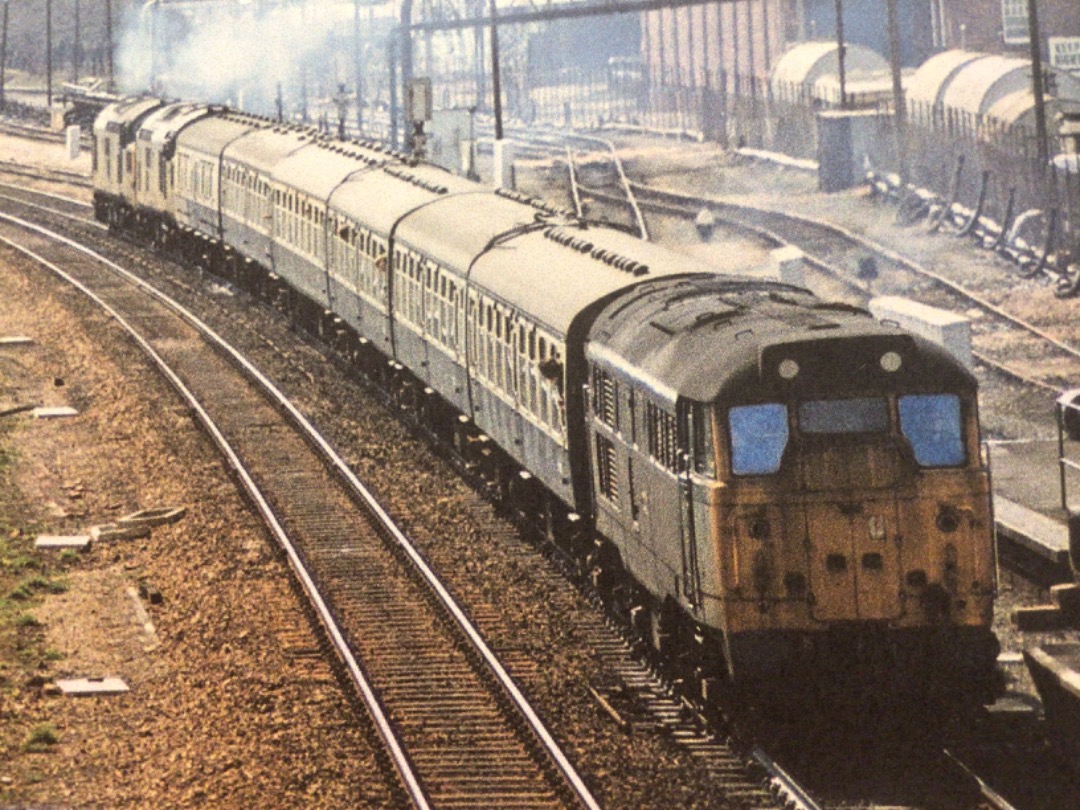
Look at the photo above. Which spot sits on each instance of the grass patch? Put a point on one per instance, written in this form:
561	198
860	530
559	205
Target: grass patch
53	655
26	620
41	738
26	589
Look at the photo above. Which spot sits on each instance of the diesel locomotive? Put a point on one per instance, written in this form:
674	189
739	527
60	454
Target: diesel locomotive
784	495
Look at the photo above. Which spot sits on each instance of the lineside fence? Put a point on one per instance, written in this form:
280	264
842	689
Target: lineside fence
959	157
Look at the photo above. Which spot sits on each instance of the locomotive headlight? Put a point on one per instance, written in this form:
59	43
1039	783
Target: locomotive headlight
891	361
788	369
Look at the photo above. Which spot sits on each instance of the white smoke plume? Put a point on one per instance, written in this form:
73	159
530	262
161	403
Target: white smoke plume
237	54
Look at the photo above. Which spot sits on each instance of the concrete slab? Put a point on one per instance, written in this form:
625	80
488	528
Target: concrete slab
158	516
1055	668
1015	704
15	340
947	329
1039	618
80	542
54	413
114	531
1026	472
86	687
1034	531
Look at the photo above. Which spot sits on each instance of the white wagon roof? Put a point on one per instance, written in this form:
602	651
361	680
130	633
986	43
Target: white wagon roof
981	83
927	84
209	136
264	146
807	62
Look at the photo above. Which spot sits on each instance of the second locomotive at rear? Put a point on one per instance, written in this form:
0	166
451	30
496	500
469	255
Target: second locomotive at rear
784	495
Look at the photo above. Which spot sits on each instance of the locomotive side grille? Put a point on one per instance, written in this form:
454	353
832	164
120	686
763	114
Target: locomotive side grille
607	471
606	400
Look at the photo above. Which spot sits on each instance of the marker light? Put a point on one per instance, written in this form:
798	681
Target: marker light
788	369
891	361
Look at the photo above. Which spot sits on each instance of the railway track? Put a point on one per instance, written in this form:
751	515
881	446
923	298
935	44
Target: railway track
647	703
641	699
459	732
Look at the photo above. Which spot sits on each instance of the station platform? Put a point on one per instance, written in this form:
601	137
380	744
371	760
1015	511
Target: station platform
1027	497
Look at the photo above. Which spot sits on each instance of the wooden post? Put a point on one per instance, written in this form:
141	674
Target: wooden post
76	51
1035	43
841	52
900	110
48	53
358	67
109	44
496	83
3	57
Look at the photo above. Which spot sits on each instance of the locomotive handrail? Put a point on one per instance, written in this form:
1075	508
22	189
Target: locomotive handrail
1067	403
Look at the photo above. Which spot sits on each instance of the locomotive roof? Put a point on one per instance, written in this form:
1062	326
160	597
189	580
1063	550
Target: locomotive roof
125	113
165	122
723	337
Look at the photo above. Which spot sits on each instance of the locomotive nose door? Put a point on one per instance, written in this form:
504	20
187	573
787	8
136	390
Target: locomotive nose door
852	529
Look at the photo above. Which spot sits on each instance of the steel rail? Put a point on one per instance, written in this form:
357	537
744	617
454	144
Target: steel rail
371	702
796	797
49	194
990	795
631	198
73	217
575	189
548	742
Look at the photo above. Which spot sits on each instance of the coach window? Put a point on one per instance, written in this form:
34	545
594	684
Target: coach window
932	424
759	434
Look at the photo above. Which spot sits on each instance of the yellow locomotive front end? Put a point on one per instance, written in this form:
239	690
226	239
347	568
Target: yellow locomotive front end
852	524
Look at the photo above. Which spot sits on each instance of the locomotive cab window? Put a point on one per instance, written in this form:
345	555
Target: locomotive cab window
835	416
933	426
759	435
